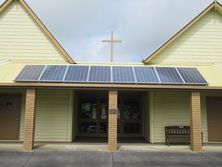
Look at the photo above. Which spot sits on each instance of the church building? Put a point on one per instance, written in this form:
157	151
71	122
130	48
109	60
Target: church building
46	96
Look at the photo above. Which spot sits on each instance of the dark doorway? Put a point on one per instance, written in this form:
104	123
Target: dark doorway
10	111
214	119
92	115
129	115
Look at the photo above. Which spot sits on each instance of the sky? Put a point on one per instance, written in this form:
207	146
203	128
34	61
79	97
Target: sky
142	25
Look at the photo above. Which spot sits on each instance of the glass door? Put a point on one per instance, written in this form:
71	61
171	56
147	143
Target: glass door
93	117
129	117
103	116
88	116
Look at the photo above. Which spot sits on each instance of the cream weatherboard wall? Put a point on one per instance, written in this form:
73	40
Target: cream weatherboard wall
199	46
53	116
172	109
21	39
201	43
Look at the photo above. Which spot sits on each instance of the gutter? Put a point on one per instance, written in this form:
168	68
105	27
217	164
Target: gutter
106	86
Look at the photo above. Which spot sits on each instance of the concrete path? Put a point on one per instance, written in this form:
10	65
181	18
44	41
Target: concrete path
103	147
108	159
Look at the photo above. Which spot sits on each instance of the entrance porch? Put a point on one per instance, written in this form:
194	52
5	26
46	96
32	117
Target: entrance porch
90	121
63	115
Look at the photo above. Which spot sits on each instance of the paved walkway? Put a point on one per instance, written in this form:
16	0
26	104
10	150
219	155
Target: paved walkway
103	147
67	155
39	158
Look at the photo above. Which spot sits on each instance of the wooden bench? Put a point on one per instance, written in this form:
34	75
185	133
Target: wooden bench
177	135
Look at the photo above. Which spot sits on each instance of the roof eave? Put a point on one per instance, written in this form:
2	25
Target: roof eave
106	86
4	5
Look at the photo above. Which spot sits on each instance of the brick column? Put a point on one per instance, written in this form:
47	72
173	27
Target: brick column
195	122
112	131
29	126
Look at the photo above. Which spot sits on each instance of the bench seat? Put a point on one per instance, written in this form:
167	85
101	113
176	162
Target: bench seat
177	135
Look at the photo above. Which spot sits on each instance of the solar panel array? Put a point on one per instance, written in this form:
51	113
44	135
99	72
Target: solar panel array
111	74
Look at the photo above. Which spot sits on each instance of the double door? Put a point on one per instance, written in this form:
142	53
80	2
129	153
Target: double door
93	116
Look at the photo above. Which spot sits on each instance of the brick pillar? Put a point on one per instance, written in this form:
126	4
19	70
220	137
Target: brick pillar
195	122
112	131
29	126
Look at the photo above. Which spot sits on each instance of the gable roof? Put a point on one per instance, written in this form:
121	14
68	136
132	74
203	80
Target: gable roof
213	5
41	25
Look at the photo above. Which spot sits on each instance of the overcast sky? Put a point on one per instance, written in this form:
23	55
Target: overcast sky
142	25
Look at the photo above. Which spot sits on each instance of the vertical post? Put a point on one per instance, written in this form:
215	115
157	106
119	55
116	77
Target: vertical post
151	112
112	46
112	132
195	121
29	127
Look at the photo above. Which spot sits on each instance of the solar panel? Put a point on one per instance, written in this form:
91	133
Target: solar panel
191	76
111	74
123	74
77	74
54	73
146	75
169	75
100	74
30	73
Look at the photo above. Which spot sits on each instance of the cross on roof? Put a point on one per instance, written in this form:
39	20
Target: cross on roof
111	41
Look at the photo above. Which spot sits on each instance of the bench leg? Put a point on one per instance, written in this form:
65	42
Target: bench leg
167	141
